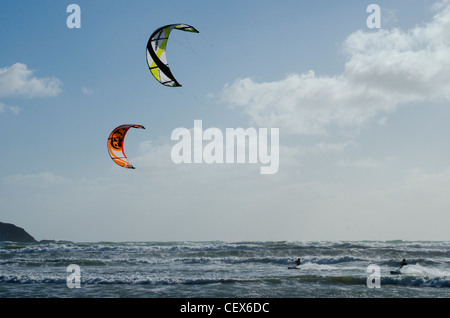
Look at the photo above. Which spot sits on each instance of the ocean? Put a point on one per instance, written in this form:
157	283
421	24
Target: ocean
253	270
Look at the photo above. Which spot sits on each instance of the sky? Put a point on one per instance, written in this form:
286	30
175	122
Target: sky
362	114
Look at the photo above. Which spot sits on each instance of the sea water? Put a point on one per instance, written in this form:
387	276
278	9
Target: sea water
224	269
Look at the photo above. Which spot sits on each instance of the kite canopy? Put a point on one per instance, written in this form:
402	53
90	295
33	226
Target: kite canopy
115	145
156	53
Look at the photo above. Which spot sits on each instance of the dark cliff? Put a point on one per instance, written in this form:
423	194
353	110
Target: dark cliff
10	232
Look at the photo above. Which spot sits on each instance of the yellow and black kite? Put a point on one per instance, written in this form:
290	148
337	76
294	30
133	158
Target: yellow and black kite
156	53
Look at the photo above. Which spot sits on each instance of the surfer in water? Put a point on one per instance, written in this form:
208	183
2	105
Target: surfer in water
403	263
298	262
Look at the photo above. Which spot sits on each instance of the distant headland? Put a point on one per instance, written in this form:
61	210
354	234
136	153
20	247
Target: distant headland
12	233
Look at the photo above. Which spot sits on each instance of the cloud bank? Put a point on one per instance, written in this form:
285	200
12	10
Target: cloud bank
385	69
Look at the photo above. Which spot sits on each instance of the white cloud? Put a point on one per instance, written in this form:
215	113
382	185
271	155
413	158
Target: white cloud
87	91
439	5
18	80
360	163
388	16
382	121
385	69
323	147
38	179
367	162
14	109
432	183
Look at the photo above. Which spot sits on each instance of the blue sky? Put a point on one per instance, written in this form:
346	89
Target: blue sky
362	115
